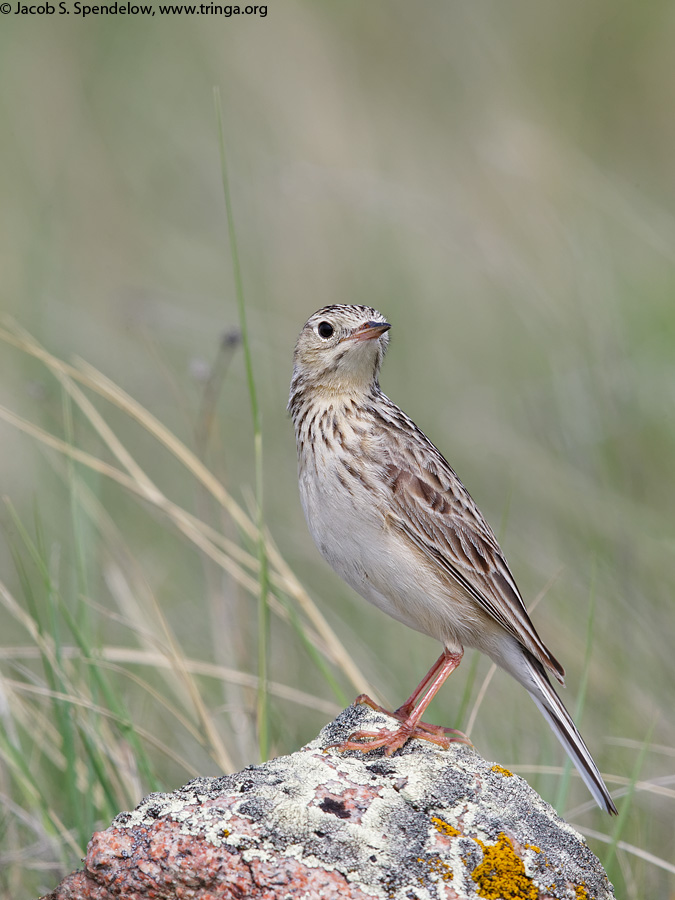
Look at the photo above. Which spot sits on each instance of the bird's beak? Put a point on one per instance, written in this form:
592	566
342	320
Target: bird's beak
369	331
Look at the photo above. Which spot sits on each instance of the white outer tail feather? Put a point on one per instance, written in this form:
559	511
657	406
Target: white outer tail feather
553	710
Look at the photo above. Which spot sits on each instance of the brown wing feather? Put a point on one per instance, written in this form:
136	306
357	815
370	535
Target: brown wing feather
437	514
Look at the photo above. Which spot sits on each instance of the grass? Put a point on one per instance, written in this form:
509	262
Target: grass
262	714
499	185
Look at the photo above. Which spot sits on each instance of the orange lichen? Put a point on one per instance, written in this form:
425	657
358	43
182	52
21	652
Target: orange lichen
580	892
501	875
438	867
502	771
444	827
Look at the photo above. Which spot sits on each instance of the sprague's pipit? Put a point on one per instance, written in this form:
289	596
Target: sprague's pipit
395	522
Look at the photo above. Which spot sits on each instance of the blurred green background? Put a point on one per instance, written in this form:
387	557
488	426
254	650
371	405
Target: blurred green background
496	178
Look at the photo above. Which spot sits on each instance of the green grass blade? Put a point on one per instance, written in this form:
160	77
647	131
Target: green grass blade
624	810
263	606
316	657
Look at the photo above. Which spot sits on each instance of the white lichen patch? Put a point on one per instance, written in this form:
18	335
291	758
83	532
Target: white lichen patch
255	853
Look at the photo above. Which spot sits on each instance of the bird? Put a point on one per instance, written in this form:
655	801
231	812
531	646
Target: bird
390	515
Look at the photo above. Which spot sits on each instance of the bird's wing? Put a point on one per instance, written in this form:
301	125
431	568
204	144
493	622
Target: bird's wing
436	513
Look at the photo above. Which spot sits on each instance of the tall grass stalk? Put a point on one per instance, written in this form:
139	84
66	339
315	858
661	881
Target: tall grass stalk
625	807
263	576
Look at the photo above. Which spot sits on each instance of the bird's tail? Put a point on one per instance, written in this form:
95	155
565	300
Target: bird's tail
553	710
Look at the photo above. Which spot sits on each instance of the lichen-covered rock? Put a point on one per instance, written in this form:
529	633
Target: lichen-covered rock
424	824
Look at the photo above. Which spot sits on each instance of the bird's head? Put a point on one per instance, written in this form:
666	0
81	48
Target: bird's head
340	350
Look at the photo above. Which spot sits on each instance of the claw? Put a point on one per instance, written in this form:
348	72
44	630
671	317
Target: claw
409	716
392	740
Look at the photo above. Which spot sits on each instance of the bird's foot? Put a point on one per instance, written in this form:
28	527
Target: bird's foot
392	740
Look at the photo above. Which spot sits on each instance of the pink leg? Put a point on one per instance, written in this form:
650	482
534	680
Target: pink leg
410	715
403	712
409	704
448	663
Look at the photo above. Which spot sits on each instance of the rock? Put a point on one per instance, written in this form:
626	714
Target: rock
424	823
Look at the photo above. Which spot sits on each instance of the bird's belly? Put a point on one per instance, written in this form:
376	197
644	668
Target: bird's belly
353	536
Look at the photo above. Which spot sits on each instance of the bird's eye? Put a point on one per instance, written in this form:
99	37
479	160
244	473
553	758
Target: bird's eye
325	329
